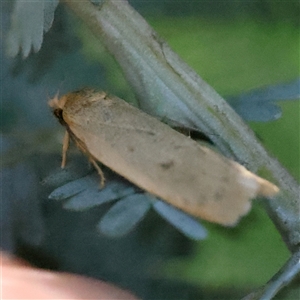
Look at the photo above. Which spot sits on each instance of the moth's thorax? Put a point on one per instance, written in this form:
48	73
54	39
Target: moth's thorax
77	102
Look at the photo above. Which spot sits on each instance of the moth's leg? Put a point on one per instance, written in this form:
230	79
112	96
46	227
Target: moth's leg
65	147
98	169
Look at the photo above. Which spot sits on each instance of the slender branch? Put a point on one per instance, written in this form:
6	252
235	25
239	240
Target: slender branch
285	276
167	88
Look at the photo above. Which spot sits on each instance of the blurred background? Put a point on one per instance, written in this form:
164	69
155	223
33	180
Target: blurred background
237	47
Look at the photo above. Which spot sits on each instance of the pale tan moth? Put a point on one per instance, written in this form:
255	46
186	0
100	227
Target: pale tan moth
157	158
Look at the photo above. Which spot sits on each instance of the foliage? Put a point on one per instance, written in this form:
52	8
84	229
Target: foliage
208	47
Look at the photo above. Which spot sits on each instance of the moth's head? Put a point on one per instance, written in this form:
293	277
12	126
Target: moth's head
57	103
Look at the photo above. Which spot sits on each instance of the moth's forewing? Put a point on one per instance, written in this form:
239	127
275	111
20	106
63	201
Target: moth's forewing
160	160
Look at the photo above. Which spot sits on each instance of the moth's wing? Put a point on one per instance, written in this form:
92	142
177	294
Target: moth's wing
166	163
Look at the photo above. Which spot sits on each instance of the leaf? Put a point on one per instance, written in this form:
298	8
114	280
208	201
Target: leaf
85	193
72	188
94	196
186	224
49	10
258	105
29	20
75	169
124	215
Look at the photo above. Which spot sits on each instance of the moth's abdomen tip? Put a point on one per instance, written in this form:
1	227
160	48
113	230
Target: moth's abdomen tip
257	185
267	189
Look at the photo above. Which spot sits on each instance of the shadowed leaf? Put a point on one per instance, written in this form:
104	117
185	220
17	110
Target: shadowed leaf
124	215
258	105
95	196
186	224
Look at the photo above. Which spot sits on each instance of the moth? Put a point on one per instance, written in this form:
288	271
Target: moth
157	158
